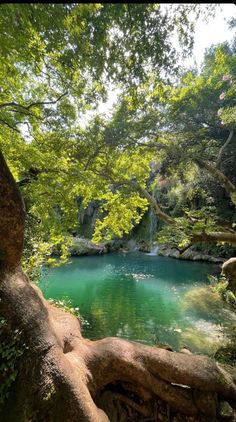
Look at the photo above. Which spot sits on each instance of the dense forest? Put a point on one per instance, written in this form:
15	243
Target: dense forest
167	145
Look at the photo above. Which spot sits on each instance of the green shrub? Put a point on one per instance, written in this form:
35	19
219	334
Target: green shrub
65	304
220	285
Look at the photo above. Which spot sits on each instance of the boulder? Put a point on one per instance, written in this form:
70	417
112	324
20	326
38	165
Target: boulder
83	246
190	254
229	271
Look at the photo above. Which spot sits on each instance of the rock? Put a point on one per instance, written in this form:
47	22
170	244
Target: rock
175	253
171	252
86	247
163	346
131	245
185	350
229	271
144	246
190	254
216	260
114	245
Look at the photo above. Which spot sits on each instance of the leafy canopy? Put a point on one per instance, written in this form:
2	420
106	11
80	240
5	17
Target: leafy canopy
57	60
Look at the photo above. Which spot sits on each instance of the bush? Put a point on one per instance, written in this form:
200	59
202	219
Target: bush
220	285
65	304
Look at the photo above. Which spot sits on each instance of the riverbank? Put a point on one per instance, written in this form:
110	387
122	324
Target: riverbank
190	255
83	247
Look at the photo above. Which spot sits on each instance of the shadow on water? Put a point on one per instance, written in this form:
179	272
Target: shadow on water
145	298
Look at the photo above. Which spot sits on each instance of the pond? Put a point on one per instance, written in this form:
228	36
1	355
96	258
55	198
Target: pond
150	299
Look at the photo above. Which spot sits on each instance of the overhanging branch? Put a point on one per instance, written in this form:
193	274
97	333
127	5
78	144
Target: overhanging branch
152	201
37	103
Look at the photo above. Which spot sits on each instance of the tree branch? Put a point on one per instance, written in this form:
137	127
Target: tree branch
38	103
223	148
214	237
10	126
163	216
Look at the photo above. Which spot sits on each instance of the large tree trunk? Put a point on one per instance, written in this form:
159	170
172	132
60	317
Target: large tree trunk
64	377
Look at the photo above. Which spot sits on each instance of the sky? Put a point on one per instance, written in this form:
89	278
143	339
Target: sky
206	34
213	32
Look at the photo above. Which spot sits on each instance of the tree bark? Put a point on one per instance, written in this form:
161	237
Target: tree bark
12	215
214	237
223	148
66	378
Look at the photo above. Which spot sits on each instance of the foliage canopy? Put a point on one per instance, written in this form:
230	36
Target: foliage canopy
54	74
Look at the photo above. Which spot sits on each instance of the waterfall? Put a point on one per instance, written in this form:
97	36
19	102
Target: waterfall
94	218
152	231
154	250
152	227
132	245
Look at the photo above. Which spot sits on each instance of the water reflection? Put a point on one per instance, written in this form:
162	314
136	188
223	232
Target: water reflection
144	298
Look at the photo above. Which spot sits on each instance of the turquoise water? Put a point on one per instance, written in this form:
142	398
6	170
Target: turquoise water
144	298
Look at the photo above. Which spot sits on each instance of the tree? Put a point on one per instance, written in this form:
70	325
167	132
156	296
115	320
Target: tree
58	363
61	364
181	125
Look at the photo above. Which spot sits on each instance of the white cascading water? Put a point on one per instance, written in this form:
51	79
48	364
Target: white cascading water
153	251
152	230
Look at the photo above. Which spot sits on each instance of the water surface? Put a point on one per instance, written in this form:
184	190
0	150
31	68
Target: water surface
145	298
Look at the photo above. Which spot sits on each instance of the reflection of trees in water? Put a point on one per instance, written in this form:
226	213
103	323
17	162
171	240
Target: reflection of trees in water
136	299
128	310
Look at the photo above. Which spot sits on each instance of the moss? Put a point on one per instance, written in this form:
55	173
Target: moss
227	354
203	302
199	341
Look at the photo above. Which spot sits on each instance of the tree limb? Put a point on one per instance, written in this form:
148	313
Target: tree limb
223	148
214	237
38	103
10	126
152	201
